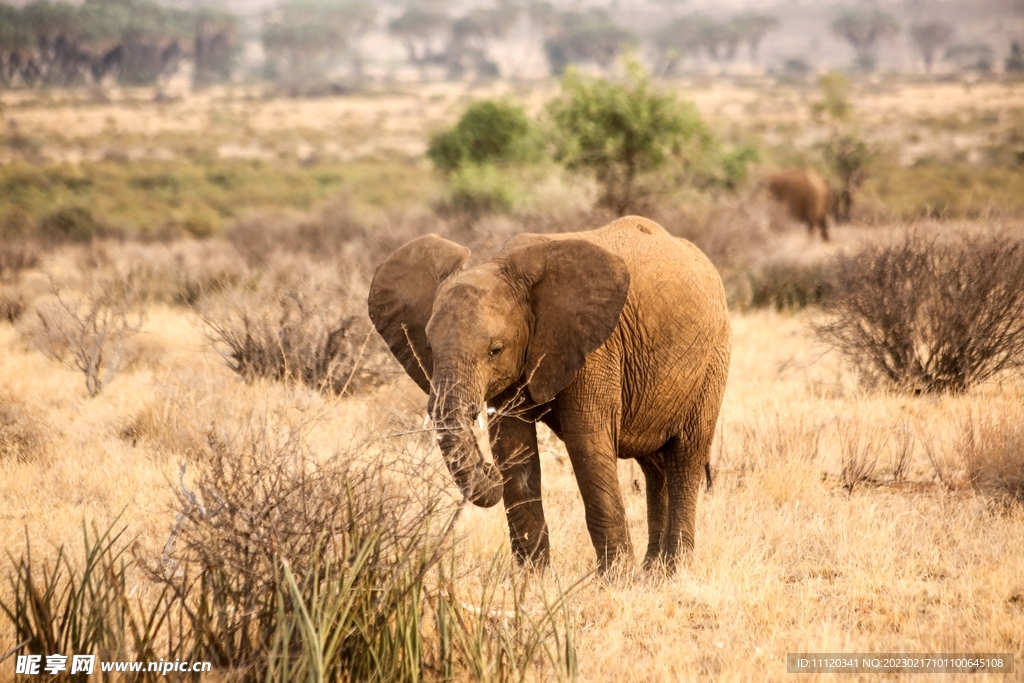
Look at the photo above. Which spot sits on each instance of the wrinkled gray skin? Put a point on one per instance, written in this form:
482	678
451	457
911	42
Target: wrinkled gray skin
617	339
805	195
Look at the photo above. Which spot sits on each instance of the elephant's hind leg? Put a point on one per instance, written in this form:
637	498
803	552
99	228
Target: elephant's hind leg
653	468
686	458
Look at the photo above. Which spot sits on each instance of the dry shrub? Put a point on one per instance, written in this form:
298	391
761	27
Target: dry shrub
21	434
929	316
12	304
307	327
992	450
264	504
91	332
290	561
324	235
16	257
783	284
183	272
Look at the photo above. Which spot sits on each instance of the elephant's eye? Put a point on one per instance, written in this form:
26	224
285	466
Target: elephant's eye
496	349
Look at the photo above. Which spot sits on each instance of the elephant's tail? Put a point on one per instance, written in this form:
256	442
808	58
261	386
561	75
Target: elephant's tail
707	475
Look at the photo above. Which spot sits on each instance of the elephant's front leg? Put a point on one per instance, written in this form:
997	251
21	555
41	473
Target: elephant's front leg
590	434
514	445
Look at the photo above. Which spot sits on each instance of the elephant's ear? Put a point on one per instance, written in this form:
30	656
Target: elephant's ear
577	291
402	296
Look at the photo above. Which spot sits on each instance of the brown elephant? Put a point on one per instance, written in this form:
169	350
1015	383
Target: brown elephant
805	195
617	339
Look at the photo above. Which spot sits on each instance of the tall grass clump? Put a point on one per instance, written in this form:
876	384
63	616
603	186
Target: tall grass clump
929	316
63	607
992	451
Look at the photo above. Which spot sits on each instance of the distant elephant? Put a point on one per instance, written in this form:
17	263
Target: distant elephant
805	195
617	339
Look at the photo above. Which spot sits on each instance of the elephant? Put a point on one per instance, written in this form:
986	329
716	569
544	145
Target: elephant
618	339
805	195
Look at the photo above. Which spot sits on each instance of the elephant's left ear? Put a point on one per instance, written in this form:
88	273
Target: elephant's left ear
577	291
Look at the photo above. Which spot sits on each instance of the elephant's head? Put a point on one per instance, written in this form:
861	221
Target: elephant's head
528	318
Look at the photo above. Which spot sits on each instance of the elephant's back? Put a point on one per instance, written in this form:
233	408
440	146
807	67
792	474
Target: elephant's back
660	263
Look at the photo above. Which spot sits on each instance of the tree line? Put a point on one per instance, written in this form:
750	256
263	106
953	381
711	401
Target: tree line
139	42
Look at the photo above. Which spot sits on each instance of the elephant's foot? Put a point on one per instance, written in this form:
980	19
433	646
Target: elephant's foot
534	553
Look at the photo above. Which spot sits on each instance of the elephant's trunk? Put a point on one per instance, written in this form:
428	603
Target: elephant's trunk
454	415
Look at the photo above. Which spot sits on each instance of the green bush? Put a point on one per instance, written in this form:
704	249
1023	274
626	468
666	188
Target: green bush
68	224
489	132
624	133
477	190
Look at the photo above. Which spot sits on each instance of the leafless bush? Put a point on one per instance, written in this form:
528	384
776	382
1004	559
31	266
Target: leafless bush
731	235
929	316
90	332
304	330
260	501
323	235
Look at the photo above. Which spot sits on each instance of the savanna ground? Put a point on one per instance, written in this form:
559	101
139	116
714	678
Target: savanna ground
844	517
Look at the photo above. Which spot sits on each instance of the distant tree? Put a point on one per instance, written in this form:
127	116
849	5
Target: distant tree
1015	62
723	40
929	38
473	38
622	133
310	35
16	43
56	57
971	56
753	27
847	154
544	17
683	37
422	30
216	44
864	29
590	36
